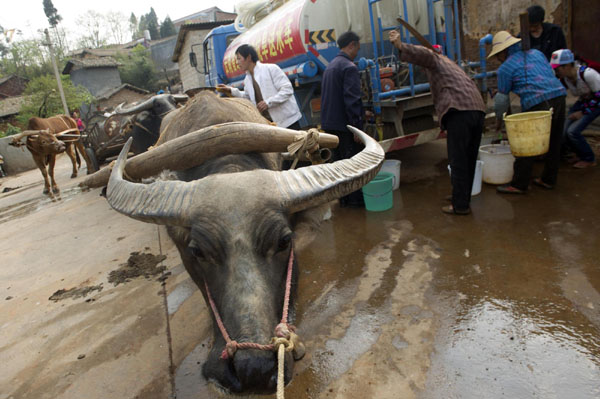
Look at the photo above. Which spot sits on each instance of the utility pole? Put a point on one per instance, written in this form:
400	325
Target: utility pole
58	81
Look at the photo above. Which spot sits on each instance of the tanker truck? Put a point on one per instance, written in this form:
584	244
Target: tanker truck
300	36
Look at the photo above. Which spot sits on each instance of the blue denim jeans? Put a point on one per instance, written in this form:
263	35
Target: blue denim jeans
573	133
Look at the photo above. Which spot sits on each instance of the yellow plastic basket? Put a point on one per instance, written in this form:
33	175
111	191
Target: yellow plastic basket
529	132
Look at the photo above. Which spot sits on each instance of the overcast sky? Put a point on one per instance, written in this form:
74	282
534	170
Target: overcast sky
28	15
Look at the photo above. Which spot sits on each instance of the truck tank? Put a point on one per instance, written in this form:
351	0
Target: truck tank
300	36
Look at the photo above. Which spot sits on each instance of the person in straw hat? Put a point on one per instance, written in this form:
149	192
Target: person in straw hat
529	75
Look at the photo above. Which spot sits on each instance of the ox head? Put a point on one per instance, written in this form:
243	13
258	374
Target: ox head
42	141
234	230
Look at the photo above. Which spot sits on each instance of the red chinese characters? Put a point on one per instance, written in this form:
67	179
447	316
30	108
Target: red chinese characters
276	38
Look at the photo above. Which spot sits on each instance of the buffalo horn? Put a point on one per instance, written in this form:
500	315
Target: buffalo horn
196	147
173	202
314	185
161	202
146	105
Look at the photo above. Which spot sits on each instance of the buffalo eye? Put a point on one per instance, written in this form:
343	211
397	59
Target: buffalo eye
284	242
196	252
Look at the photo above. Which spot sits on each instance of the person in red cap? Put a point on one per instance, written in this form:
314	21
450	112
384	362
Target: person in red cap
583	82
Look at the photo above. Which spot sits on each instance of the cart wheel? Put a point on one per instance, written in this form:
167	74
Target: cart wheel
92	155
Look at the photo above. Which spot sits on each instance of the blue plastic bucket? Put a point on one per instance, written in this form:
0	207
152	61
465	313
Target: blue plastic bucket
378	192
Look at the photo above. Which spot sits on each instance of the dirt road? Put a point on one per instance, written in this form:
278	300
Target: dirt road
407	303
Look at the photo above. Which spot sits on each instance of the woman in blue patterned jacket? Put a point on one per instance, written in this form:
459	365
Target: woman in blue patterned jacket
529	75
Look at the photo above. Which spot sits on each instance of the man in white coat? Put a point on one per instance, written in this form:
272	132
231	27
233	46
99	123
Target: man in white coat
267	87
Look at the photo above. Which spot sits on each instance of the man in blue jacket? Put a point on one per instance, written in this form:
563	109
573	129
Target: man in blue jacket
341	104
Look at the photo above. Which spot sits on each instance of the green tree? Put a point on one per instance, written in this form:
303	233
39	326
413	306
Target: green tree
142	26
3	47
153	29
133	26
167	28
45	100
153	24
51	13
26	58
138	69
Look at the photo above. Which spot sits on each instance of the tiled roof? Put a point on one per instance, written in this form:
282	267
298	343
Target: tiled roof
11	105
83	63
111	92
190	27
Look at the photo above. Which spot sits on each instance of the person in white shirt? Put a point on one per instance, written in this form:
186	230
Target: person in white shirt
584	82
267	86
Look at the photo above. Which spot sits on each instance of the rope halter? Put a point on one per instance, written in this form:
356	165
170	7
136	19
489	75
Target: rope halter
284	340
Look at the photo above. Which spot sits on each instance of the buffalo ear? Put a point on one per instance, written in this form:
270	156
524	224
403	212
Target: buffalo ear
307	224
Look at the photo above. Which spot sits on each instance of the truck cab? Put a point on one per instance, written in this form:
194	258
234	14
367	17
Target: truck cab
214	46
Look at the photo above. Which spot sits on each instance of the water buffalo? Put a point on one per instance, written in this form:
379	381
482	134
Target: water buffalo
234	221
148	117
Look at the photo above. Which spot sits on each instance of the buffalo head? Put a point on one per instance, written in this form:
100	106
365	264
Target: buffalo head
159	105
233	220
147	118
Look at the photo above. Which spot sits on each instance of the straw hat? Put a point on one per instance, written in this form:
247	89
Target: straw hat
502	40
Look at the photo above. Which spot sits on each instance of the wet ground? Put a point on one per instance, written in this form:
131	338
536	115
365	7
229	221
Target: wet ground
406	303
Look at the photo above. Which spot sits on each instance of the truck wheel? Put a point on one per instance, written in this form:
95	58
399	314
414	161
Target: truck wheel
92	155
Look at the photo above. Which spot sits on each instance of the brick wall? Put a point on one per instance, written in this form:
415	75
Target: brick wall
192	77
96	80
499	15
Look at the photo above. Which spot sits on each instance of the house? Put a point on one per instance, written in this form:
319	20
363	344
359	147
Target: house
189	40
213	14
126	93
9	108
12	85
97	74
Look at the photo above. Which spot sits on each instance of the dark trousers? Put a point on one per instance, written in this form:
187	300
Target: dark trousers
464	136
523	165
347	148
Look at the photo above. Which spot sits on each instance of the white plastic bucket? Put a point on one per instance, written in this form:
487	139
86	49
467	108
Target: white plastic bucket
476	179
392	166
498	163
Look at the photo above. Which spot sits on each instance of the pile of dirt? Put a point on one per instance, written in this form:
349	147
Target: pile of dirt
138	264
74	293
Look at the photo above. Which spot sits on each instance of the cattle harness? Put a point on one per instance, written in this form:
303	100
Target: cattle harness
285	339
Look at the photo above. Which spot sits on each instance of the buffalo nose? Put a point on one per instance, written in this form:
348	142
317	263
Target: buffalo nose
256	370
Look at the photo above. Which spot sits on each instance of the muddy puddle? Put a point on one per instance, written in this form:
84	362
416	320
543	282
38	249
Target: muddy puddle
32	205
138	264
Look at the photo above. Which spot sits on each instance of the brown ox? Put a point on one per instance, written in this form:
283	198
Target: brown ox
47	137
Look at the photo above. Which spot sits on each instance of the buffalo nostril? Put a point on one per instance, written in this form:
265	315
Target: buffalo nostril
256	370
